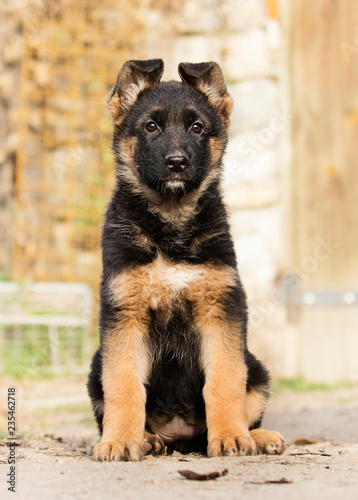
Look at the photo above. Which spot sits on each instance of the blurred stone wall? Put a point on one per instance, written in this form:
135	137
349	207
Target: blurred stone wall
10	67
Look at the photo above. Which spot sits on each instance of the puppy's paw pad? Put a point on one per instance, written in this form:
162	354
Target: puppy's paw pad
268	442
153	445
231	446
114	451
246	445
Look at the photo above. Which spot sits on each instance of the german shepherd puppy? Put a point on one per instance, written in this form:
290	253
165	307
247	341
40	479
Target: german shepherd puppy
173	367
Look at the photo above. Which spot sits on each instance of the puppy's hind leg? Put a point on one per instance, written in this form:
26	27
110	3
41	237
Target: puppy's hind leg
258	391
95	389
153	444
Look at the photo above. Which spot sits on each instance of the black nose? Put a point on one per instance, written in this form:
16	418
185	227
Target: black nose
177	163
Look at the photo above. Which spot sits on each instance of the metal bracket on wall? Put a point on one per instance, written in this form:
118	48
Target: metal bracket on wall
295	299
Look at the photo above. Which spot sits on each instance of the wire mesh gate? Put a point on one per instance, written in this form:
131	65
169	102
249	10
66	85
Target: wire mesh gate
64	169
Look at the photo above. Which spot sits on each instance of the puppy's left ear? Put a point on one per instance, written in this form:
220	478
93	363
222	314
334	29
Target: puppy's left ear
208	78
133	78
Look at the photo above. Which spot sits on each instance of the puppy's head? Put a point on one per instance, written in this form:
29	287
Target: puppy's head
169	137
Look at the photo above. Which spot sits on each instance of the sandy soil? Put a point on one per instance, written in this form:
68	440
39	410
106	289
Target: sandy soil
57	434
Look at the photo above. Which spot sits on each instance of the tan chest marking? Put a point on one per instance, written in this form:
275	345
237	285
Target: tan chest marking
161	283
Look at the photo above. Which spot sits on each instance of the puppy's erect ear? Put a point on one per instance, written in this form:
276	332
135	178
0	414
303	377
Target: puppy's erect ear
134	77
208	78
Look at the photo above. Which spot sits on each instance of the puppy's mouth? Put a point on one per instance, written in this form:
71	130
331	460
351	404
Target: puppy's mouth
176	182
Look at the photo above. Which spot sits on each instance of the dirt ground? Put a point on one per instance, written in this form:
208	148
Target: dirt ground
57	433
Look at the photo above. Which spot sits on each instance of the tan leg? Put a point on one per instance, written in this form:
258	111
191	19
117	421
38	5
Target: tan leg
125	362
224	367
225	400
268	442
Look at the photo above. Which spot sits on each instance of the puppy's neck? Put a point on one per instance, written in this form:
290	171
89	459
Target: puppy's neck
175	209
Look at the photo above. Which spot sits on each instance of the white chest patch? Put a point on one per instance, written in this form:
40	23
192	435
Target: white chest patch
168	281
176	276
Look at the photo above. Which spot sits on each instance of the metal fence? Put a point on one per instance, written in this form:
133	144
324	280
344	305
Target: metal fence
45	327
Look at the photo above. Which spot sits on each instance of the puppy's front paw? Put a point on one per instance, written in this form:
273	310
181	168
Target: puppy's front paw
268	442
112	451
239	444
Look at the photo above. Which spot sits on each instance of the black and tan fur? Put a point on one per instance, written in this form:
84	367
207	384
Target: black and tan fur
173	367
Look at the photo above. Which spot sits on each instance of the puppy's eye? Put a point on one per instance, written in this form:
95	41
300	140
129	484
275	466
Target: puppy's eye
197	128
151	127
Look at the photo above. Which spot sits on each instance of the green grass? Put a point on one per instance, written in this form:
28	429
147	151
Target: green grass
70	408
88	421
299	384
21	373
344	401
26	351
